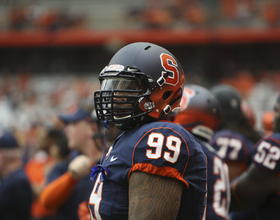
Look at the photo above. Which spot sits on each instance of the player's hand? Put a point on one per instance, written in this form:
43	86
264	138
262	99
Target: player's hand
83	211
80	166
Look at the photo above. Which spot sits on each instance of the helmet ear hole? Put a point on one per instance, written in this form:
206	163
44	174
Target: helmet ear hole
166	95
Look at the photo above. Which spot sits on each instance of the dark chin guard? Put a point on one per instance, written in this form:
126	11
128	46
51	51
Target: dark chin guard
126	125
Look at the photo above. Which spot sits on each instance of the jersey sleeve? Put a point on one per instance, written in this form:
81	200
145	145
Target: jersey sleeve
267	154
165	152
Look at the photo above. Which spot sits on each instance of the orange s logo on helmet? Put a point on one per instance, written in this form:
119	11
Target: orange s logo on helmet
170	65
186	98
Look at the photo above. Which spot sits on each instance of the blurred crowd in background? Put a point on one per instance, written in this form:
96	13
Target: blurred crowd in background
29	105
30	16
29	102
207	13
37	83
56	15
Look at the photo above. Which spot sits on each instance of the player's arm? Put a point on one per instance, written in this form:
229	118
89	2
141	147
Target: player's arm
252	188
153	196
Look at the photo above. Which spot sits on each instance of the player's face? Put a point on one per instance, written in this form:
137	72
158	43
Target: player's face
123	89
276	119
122	110
78	133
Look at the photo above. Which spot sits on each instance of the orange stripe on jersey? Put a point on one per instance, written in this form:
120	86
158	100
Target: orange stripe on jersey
161	171
162	128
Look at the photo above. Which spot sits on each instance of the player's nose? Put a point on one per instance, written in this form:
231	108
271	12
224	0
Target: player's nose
119	97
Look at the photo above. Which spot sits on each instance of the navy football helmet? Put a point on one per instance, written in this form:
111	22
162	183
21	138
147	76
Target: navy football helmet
200	111
230	99
142	80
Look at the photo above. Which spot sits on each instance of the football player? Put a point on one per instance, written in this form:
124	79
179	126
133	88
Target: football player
200	114
155	169
235	138
236	135
259	187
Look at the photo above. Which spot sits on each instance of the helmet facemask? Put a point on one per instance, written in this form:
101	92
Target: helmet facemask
120	95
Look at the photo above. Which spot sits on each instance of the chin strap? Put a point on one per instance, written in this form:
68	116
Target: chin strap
99	168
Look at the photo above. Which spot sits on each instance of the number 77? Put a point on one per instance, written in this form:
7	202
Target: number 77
224	143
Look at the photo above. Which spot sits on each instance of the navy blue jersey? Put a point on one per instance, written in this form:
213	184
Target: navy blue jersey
233	146
159	148
15	197
80	193
218	188
267	157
